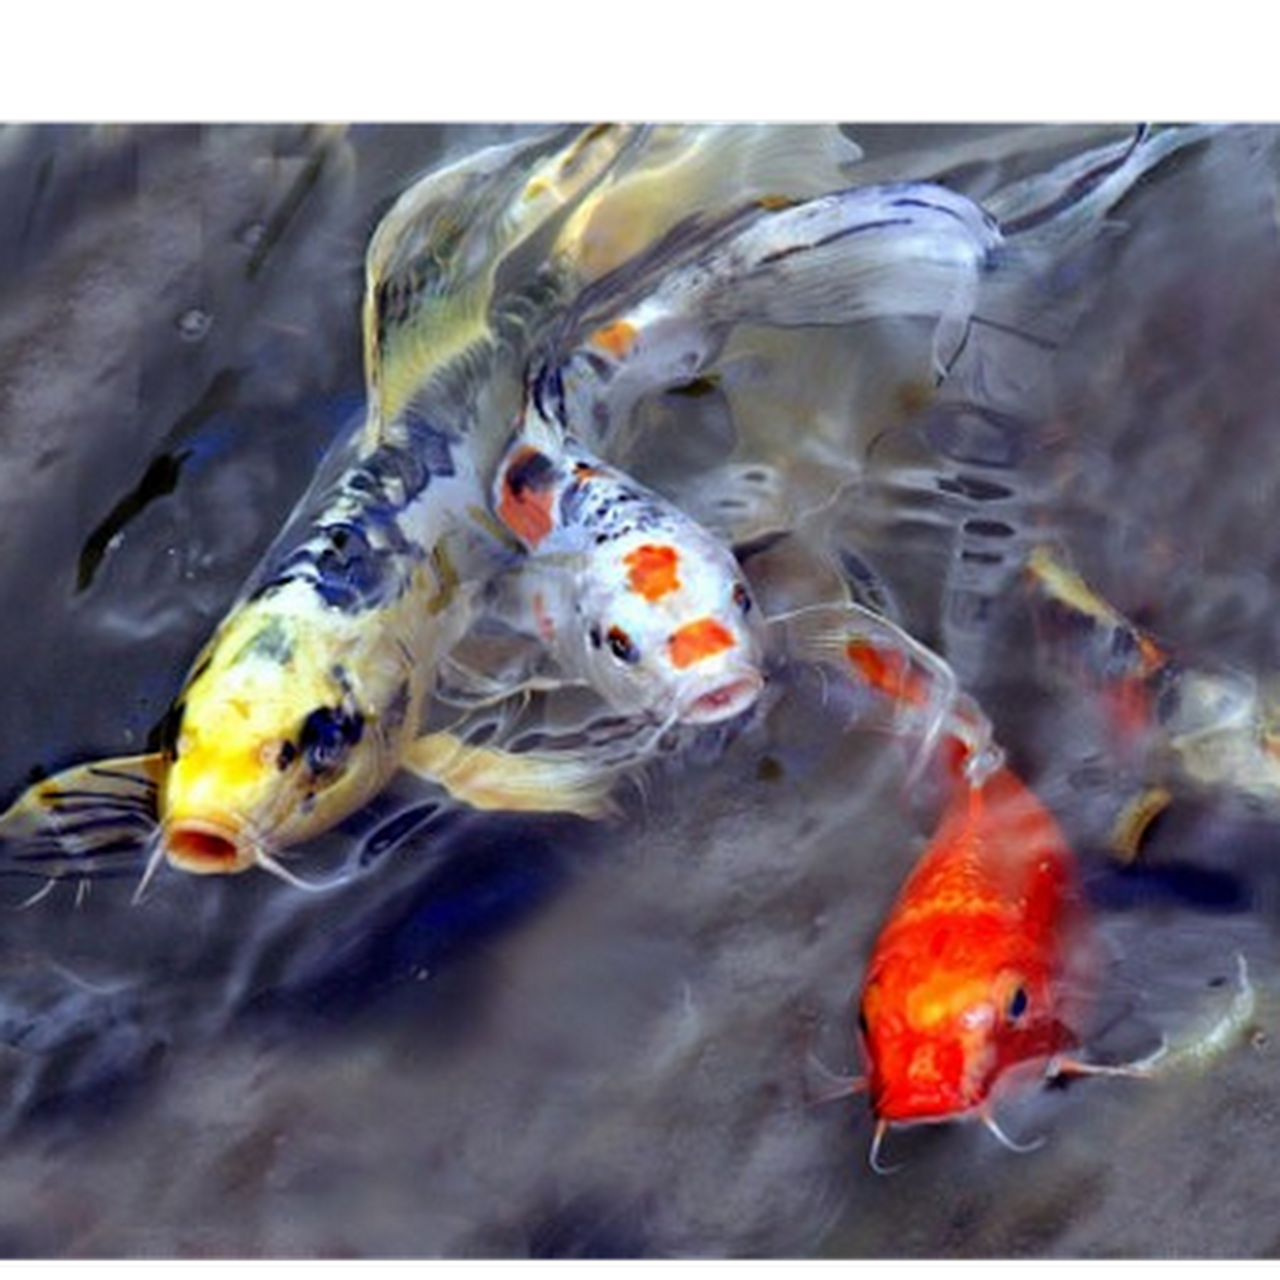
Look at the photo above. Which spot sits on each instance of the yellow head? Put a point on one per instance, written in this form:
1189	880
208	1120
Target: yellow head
283	729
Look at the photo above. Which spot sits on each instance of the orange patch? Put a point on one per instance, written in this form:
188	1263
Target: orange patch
887	671
653	571
697	640
528	496
616	338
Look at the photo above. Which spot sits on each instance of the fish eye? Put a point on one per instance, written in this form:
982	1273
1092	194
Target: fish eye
1018	1003
621	645
742	597
327	734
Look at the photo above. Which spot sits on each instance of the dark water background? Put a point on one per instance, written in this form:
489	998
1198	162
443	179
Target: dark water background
535	1037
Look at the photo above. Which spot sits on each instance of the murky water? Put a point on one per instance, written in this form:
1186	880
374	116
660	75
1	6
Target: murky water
514	1037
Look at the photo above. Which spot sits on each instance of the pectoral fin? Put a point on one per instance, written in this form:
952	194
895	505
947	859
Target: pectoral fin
527	781
90	820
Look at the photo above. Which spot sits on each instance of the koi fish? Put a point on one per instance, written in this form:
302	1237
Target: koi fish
308	697
1187	726
630	596
662	319
978	978
982	975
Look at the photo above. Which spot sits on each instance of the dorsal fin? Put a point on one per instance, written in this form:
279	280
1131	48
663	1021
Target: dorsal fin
432	263
702	168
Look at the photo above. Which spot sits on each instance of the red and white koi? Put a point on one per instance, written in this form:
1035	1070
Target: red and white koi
630	595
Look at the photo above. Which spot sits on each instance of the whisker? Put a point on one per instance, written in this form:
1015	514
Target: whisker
154	859
273	867
873	1156
39	896
1022	1148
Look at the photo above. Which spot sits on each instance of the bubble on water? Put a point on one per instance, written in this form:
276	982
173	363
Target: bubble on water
194	324
251	235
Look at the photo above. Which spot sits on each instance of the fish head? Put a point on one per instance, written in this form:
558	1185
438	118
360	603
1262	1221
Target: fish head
939	1039
667	626
269	745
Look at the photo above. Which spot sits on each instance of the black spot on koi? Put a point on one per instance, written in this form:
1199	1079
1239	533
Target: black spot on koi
327	735
532	470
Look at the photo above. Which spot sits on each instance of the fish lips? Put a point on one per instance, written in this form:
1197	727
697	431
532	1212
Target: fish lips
202	846
736	692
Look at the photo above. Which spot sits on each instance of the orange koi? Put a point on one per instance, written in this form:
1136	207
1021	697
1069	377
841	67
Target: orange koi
983	973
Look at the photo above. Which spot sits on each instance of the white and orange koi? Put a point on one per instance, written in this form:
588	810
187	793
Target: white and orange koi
630	595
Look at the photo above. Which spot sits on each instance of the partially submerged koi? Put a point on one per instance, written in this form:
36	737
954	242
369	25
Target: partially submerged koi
979	976
632	596
1186	725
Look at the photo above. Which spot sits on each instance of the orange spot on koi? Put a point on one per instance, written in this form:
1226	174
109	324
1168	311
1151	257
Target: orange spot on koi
698	640
616	338
887	671
528	495
653	570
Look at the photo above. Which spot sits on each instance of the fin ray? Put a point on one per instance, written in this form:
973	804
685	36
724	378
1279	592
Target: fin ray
488	777
81	822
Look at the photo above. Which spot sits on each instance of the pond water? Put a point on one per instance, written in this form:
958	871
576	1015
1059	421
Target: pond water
540	1037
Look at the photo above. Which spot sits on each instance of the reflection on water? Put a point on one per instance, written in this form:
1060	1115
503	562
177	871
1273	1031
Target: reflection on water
530	1036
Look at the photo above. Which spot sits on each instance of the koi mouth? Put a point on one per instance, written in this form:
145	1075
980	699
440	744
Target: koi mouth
204	848
724	701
